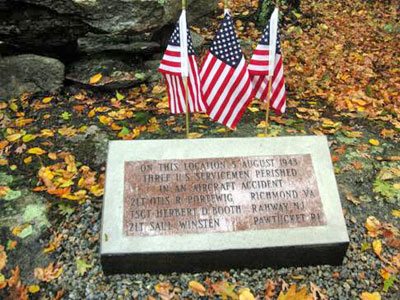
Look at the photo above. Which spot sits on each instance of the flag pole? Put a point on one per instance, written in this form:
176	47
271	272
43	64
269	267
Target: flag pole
185	84
268	105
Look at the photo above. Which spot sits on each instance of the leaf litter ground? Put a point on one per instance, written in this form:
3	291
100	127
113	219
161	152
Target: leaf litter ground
342	77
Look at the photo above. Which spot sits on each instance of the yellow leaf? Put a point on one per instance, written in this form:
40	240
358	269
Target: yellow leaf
14	107
116	127
245	294
396	213
14	137
28	160
197	287
359	102
373	226
353	134
384	274
195	135
396	186
36	150
67	131
221	130
46	133
377	246
33	288
92	113
158	89
52	155
374	142
3	162
369	296
95	79
262	124
261	135
105	120
47	99
253	109
28	137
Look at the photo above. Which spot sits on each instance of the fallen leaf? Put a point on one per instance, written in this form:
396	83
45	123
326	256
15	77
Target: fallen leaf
385	274
269	289
82	266
95	78
377	246
3	281
34	288
59	295
197	287
47	100
54	244
293	295
195	135
225	289
164	290
28	160
374	142
388	283
3	257
396	213
36	150
373	226
245	294
48	273
11	244
119	96
317	293
28	138
14	137
369	296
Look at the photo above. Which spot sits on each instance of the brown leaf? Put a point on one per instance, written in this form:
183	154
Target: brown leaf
164	290
59	295
292	294
317	293
269	289
3	257
49	273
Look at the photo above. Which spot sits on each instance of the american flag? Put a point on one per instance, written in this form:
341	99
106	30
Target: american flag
174	67
225	79
265	63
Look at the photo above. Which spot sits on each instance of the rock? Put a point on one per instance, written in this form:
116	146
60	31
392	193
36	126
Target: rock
96	43
55	26
152	67
198	42
29	74
117	72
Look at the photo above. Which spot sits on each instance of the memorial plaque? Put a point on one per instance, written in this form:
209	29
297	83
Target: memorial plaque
220	194
191	205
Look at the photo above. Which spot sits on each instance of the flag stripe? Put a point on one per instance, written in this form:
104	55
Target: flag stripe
229	91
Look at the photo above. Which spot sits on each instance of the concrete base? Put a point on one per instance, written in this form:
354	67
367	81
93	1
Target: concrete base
324	243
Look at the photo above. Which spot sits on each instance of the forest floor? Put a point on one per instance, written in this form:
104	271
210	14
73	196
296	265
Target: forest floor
343	79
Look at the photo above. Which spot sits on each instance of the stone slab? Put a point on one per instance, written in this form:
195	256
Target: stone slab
194	205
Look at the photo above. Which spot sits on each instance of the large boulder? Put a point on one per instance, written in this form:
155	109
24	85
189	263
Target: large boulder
29	74
55	26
